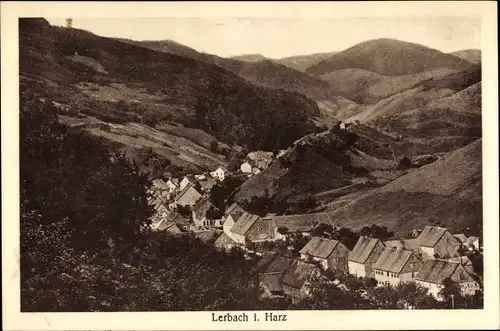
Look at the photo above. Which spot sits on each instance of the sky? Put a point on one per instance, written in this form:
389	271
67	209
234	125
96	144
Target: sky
282	37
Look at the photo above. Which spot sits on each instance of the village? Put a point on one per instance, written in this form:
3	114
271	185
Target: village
429	257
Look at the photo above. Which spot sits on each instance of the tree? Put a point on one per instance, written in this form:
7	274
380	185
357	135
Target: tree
323	230
214	146
213	213
379	232
346	236
69	22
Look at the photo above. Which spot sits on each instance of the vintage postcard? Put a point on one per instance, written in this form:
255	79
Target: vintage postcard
250	166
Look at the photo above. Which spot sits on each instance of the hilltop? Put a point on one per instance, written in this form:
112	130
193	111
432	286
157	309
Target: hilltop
118	83
448	191
389	57
249	57
471	55
302	62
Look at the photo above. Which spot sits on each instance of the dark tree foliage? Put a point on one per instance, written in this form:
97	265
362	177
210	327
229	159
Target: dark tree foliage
220	193
346	236
375	231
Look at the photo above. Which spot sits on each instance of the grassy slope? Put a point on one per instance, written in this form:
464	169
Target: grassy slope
389	57
302	62
448	191
471	55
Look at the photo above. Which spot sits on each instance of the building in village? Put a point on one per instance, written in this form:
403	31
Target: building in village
234	209
164	222
434	272
186	180
229	221
296	280
364	255
241	226
471	243
172	185
220	173
207	183
396	265
247	166
188	196
271	273
261	159
303	223
436	241
216	238
200	217
331	253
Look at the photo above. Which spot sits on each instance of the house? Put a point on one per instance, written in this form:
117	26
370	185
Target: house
160	184
160	221
261	159
332	254
188	196
172	185
234	209
228	224
207	183
363	256
199	214
270	276
241	227
303	223
437	241
224	242
296	280
170	227
208	237
255	171
471	243
396	265
247	167
220	173
188	179
435	271
263	229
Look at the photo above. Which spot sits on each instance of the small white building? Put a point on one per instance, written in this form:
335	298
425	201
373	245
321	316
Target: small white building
246	167
364	255
220	173
396	265
438	241
188	179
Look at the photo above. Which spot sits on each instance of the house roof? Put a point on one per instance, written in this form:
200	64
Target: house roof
431	235
202	206
392	259
222	168
319	247
278	265
207	184
435	271
176	218
407	244
209	236
234	208
263	263
244	223
298	272
225	237
174	181
160	183
301	222
364	247
164	225
185	190
272	282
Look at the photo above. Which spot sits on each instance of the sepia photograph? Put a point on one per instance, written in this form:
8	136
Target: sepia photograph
251	167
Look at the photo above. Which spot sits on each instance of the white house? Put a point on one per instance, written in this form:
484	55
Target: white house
246	167
364	255
396	265
438	241
220	173
188	179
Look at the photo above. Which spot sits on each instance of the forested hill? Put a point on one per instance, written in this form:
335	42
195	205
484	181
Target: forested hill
64	62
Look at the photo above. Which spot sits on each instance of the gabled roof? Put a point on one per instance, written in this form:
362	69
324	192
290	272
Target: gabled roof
190	178
185	190
278	265
319	247
392	259
165	225
222	168
301	222
364	247
244	223
176	218
435	271
431	235
272	282
174	181
202	206
207	184
209	236
297	274
234	208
